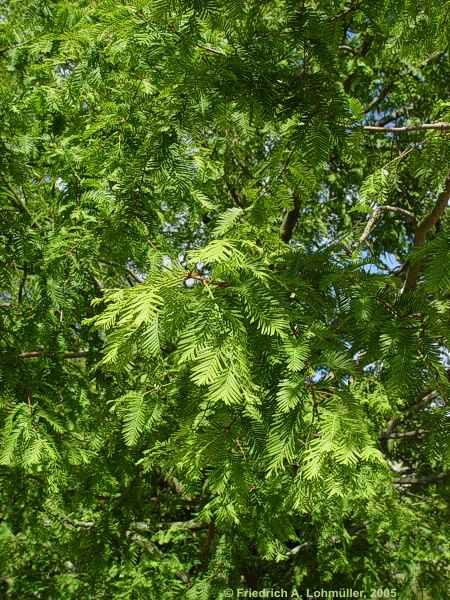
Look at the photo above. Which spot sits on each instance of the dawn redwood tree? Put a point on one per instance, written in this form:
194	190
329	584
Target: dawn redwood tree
224	298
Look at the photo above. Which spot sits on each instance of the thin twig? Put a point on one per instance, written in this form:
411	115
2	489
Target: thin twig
211	50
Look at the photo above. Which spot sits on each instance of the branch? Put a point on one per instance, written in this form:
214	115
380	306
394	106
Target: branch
5	49
234	193
387	87
79	524
401	434
389	118
351	8
206	280
142	541
422	480
211	50
408	128
22	285
401	211
347	48
381	96
290	219
42	353
422	402
370	225
128	271
191	525
15	197
297	549
376	215
422	229
177	487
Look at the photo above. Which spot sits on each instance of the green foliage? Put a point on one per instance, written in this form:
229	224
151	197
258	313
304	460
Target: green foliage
188	403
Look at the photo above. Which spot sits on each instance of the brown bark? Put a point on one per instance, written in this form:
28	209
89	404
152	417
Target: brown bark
421	232
290	219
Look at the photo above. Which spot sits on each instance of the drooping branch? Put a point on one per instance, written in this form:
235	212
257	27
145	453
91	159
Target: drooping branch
22	285
290	219
421	233
145	543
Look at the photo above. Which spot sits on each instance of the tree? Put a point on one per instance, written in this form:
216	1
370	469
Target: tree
224	287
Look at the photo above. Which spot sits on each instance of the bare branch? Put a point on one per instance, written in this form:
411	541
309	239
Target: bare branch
191	525
129	273
401	211
22	285
297	549
408	128
378	99
370	225
42	353
210	49
376	215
